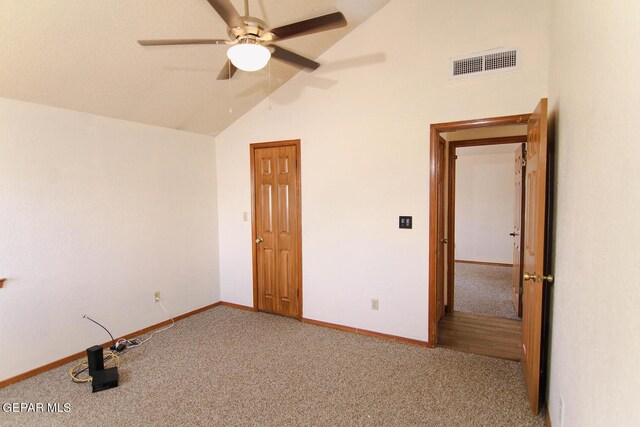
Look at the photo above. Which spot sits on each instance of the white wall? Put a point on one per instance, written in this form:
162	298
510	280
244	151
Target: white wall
485	203
365	153
596	326
95	215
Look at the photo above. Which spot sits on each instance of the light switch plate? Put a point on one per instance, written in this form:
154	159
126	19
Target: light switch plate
405	222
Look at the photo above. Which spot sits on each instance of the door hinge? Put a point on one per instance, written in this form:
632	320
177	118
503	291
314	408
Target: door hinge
455	157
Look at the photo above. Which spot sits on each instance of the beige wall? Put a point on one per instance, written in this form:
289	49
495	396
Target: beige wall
485	204
365	153
595	100
95	215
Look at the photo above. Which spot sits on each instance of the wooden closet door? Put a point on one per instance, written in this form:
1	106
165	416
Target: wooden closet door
277	229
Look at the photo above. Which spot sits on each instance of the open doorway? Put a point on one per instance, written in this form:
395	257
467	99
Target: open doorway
484	217
483	212
535	266
475	307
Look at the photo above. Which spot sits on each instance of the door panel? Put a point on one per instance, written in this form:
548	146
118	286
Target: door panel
266	208
285	276
277	230
534	248
268	275
283	208
518	232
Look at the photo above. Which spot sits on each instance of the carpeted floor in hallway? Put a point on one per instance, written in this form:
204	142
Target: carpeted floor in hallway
231	367
484	289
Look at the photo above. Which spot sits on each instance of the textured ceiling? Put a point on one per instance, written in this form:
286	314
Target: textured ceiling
82	55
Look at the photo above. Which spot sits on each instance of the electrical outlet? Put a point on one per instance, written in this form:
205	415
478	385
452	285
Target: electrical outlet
156	296
245	216
374	304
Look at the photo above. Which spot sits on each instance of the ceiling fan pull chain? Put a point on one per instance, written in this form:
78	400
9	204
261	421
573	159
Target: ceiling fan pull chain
269	74
246	8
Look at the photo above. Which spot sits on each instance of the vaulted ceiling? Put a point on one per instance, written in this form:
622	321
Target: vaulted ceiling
82	55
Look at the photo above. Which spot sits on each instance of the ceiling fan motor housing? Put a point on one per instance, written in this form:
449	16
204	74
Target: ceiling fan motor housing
253	28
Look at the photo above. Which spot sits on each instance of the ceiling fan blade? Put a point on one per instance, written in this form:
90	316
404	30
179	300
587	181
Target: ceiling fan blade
180	42
310	26
292	58
227	12
228	68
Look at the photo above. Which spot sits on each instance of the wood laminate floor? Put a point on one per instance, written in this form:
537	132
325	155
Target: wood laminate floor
478	334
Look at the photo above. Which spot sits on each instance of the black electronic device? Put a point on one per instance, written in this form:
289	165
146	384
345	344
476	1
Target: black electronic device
104	379
95	358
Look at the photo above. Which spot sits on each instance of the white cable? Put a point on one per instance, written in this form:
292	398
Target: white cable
137	342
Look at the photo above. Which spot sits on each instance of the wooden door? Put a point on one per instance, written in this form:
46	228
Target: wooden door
277	258
534	251
517	233
441	248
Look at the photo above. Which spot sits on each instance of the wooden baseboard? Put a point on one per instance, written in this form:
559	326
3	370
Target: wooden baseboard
368	333
495	264
65	360
344	328
237	306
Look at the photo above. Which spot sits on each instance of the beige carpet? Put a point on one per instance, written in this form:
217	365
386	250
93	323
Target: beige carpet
484	289
231	367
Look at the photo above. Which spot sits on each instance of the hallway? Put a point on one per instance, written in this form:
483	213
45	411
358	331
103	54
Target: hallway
484	321
484	289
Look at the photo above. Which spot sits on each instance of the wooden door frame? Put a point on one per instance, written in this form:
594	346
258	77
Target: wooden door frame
434	179
254	255
441	257
451	208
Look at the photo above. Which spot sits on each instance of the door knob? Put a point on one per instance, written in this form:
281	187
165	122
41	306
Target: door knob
548	278
445	241
259	240
514	234
536	278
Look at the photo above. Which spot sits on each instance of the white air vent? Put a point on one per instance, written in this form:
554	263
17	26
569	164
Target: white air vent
468	65
483	63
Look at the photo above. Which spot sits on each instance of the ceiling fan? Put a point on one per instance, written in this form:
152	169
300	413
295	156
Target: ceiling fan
252	41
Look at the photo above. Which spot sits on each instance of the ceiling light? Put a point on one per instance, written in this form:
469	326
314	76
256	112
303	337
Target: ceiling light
249	56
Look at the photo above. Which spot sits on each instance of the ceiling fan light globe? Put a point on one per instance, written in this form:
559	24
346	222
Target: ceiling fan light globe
249	57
